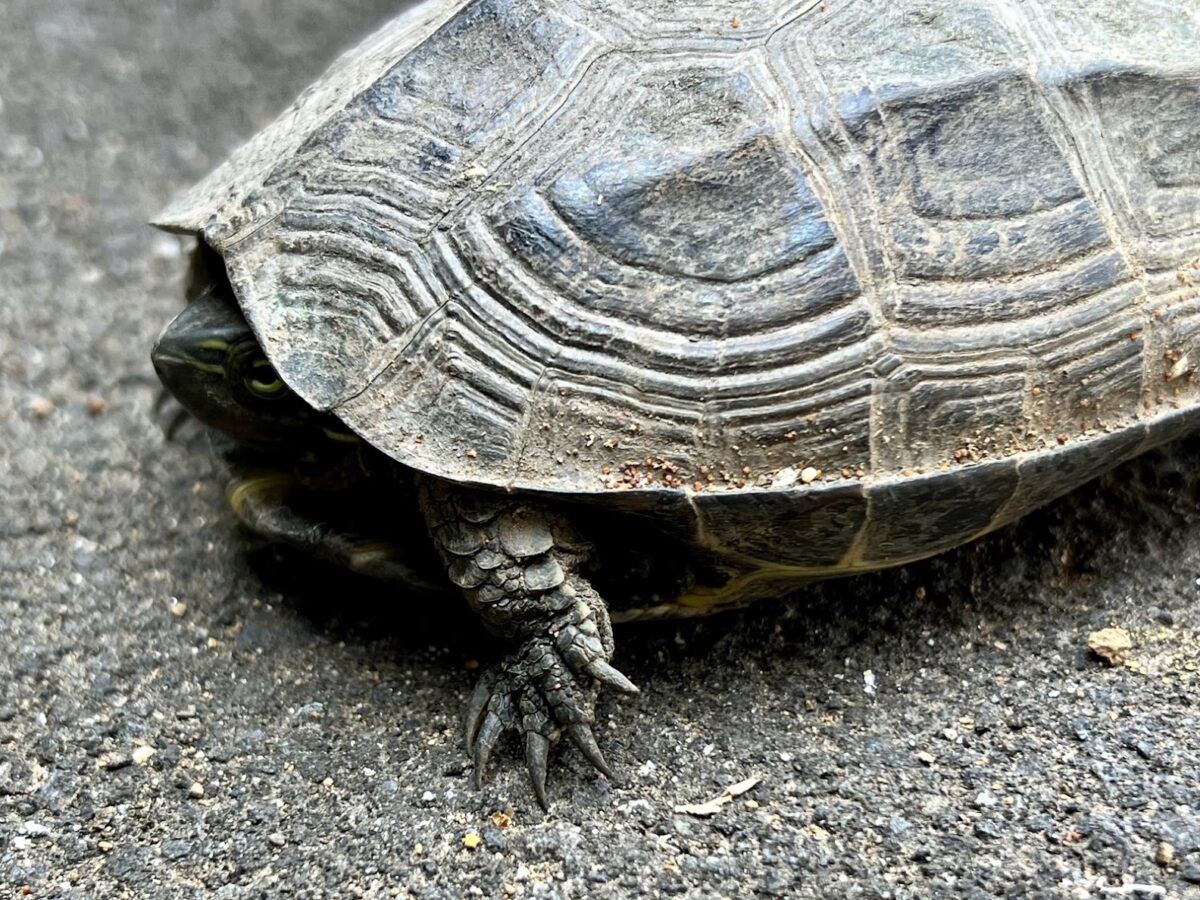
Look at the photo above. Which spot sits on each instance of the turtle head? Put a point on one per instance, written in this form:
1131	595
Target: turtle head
211	362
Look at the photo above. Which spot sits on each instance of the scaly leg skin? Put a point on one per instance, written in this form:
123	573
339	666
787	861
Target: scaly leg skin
263	501
517	563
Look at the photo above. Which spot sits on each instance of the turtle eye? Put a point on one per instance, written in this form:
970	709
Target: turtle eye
251	377
262	380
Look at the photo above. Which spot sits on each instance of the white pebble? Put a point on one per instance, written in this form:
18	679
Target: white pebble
785	478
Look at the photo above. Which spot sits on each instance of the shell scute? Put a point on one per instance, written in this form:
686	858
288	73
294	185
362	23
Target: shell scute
932	252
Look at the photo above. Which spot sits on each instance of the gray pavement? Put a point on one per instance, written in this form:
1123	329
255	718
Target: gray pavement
186	713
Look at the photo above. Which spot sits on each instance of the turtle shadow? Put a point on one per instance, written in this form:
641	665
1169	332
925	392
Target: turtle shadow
367	610
1055	564
1040	565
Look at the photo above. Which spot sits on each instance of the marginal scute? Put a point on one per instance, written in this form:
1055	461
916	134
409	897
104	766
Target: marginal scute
1047	475
924	514
811	530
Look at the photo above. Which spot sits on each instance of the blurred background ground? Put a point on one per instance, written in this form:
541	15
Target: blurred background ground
182	713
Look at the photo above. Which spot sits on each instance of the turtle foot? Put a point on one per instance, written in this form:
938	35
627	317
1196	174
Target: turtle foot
518	563
546	689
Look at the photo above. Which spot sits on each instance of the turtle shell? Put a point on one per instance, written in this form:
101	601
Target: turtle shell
870	277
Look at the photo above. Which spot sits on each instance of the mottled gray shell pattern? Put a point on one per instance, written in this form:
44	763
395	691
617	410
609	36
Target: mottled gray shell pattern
903	270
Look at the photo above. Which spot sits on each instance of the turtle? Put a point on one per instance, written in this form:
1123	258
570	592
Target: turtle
597	312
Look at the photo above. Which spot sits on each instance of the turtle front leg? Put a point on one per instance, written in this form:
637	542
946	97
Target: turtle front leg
517	563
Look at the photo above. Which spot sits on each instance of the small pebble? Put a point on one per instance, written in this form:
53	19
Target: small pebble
785	478
41	407
178	608
1165	855
985	799
1111	644
276	839
196	791
114	761
95	404
141	755
493	838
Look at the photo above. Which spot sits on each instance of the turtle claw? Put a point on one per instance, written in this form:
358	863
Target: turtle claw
582	737
477	708
485	741
538	695
603	672
537	756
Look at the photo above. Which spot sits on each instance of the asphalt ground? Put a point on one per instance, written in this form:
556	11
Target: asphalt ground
184	712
